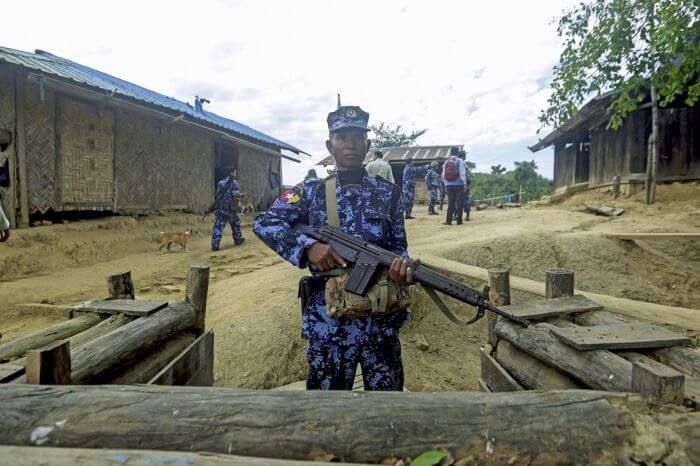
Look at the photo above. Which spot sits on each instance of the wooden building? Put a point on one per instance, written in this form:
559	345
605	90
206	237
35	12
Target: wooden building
86	140
587	154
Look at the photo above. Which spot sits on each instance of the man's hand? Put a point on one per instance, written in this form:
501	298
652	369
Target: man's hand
400	272
4	235
324	258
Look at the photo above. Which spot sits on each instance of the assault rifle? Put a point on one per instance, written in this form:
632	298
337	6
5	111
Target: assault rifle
369	258
218	197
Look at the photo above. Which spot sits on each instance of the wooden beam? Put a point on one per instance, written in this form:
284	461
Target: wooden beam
531	372
292	424
194	366
120	286
653	236
49	365
60	331
496	377
652	379
33	456
558	283
597	368
21	148
149	365
499	295
132	307
620	337
99	359
681	317
196	289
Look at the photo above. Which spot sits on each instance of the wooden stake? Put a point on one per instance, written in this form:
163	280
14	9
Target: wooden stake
196	290
499	295
120	286
558	283
616	186
49	365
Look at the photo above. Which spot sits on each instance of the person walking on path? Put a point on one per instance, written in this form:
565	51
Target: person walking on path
454	174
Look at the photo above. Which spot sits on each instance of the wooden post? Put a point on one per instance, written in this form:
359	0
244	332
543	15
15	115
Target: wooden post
499	295
616	186
49	365
559	283
196	290
652	379
21	149
120	286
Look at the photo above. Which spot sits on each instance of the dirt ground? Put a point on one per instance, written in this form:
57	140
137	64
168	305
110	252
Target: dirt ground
252	298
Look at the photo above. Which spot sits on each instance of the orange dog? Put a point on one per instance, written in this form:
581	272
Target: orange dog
168	239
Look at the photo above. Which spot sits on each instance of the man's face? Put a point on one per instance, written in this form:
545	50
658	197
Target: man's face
348	147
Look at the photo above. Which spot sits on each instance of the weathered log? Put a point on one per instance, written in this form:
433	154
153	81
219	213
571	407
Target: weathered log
157	359
97	360
60	331
597	368
686	360
681	317
499	295
33	456
289	424
558	283
120	286
49	365
531	372
196	289
497	379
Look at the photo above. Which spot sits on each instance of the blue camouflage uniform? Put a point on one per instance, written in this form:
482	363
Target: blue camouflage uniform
432	182
371	210
410	173
226	212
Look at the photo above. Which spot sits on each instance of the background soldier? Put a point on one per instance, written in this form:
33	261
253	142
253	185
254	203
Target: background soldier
226	211
432	182
370	208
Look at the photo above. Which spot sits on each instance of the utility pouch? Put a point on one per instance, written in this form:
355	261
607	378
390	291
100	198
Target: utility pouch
384	297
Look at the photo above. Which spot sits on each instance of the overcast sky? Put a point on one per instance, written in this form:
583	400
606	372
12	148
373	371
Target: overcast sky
471	72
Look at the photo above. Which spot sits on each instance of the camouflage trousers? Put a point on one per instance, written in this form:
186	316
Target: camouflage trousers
433	199
332	365
222	218
409	193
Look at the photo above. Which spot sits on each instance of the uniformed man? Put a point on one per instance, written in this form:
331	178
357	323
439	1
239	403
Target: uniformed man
369	208
432	182
226	211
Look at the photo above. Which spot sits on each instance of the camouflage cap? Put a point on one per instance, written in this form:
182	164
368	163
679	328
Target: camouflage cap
348	117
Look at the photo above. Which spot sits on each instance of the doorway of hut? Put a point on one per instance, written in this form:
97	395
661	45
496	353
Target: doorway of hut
225	158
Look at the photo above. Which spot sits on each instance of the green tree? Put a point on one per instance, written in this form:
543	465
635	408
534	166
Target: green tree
501	182
311	175
497	169
386	135
471	166
638	49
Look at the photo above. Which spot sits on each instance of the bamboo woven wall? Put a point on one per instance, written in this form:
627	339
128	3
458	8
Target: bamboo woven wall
40	138
161	165
254	168
7	121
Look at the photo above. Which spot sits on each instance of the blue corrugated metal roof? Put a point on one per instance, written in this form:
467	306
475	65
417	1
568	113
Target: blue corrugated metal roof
50	64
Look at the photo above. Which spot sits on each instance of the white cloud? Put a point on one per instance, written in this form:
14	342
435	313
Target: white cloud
470	72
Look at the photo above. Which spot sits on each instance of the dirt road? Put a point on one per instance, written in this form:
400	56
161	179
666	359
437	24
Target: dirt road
252	300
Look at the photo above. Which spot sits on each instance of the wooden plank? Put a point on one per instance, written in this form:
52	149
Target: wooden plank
496	377
686	360
148	366
33	456
533	425
194	366
653	236
49	365
596	368
530	371
60	331
653	379
132	307
8	372
681	317
551	307
620	336
482	386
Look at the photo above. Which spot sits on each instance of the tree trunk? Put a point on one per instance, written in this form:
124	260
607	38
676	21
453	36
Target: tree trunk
536	428
60	331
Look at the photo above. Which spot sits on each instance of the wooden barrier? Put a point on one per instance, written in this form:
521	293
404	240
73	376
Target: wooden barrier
495	428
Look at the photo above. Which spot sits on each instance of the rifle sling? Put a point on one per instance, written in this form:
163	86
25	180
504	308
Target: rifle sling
332	203
446	311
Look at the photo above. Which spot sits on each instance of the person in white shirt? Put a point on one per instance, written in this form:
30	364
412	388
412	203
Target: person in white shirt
379	167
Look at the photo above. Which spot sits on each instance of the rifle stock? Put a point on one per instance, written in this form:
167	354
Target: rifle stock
368	258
